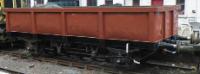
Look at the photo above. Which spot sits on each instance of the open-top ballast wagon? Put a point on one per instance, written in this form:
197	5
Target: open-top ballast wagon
117	34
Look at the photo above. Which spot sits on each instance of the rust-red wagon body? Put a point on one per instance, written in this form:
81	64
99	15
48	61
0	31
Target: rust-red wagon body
144	24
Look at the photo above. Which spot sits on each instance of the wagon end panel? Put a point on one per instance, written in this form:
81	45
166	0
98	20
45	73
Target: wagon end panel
175	21
155	26
170	24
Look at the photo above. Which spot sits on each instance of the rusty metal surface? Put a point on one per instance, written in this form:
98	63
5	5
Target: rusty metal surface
146	24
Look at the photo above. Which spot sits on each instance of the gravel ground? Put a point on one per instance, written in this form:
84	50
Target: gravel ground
29	66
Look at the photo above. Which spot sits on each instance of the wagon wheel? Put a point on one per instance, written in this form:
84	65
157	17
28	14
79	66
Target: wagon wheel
32	48
52	50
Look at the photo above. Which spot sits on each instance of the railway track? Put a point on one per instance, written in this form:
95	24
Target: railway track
6	71
66	61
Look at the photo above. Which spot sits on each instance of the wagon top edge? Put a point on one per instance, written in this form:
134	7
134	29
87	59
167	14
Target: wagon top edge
95	9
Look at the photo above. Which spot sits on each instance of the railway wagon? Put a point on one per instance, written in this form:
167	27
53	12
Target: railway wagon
114	33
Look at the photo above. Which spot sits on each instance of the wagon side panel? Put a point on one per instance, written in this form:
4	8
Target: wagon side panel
19	22
48	23
82	24
128	26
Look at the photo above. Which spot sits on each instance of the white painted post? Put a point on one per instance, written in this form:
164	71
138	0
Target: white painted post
32	3
128	3
45	1
145	2
169	2
100	2
83	3
119	2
